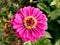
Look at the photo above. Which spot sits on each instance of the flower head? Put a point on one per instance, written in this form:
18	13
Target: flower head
29	23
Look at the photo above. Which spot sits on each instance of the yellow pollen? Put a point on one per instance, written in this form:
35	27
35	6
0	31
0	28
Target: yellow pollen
30	22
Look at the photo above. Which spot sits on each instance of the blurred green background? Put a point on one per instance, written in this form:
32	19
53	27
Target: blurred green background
50	7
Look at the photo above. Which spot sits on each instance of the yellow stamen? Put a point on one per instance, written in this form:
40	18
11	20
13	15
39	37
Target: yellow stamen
31	24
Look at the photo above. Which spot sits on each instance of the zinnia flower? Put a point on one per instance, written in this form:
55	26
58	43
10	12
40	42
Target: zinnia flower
29	23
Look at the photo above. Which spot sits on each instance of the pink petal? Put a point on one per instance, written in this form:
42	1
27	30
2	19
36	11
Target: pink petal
18	17
16	26
22	13
29	34
42	25
21	32
36	12
42	17
20	29
39	14
25	39
17	34
40	31
41	21
17	21
19	13
36	33
32	10
32	39
29	10
33	34
25	11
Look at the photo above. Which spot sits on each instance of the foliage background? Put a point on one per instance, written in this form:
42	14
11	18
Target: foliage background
50	7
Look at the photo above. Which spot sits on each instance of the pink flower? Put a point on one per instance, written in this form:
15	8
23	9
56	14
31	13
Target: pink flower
29	23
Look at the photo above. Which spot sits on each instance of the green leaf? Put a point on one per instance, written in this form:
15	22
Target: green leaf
40	0
43	7
31	1
49	1
57	38
58	21
10	14
56	3
4	9
2	43
53	2
27	43
58	42
54	14
45	41
12	37
42	41
47	35
0	37
3	14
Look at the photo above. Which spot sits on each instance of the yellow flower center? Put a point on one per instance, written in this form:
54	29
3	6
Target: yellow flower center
30	22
